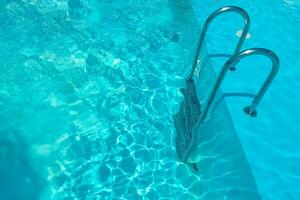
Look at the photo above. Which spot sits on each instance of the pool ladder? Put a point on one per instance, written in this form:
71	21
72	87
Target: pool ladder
230	65
208	21
234	59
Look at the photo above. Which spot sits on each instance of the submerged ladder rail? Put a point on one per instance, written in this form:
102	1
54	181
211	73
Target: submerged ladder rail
249	110
218	12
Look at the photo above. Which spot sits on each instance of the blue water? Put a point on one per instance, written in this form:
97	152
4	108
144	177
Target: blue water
271	140
88	90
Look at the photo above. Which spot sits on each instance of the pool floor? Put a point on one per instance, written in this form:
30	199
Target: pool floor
88	89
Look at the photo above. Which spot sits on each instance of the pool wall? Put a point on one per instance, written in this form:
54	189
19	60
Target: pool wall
271	140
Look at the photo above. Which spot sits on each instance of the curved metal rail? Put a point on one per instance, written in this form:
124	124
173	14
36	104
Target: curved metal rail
218	12
249	110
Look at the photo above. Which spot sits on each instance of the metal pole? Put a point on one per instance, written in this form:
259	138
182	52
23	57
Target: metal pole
218	12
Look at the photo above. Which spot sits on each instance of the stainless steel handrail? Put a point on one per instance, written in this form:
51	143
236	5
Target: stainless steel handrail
249	110
218	12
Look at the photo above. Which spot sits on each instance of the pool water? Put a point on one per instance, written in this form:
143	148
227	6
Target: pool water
88	90
271	140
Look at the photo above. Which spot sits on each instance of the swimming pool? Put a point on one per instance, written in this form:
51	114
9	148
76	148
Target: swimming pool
88	91
271	139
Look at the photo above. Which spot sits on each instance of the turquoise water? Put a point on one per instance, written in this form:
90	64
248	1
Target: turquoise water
270	141
88	90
